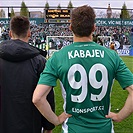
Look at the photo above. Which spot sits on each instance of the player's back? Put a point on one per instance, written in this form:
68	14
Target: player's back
86	71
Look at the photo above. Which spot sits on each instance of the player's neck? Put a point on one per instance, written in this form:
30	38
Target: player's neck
22	39
83	39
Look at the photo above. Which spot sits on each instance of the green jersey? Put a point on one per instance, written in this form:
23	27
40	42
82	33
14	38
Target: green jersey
86	71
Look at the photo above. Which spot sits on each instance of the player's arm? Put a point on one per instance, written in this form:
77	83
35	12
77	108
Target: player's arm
40	101
126	110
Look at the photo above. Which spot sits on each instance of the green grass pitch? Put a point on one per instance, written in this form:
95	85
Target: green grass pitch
118	98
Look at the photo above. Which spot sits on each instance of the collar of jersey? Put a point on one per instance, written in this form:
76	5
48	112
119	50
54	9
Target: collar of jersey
84	43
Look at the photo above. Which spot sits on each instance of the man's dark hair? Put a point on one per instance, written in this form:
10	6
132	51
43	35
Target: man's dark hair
82	20
19	25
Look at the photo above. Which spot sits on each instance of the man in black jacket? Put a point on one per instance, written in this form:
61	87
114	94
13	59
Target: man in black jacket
20	68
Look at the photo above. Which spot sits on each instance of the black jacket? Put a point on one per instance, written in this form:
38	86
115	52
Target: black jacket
20	67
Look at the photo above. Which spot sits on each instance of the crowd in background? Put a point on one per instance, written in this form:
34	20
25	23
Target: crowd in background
120	34
41	31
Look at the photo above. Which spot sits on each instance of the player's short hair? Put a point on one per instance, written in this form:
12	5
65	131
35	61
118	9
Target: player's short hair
82	20
20	25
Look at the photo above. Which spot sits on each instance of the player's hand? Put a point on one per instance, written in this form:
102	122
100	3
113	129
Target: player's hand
114	116
63	117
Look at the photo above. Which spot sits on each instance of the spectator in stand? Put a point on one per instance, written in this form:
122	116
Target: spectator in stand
112	46
131	38
0	31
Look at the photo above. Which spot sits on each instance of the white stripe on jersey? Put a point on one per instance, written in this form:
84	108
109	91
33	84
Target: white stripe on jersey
65	127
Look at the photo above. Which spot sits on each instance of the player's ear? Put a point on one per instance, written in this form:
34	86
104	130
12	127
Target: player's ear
94	28
29	33
10	34
70	27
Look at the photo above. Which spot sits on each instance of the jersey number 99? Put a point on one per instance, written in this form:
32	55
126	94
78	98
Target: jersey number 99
83	83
